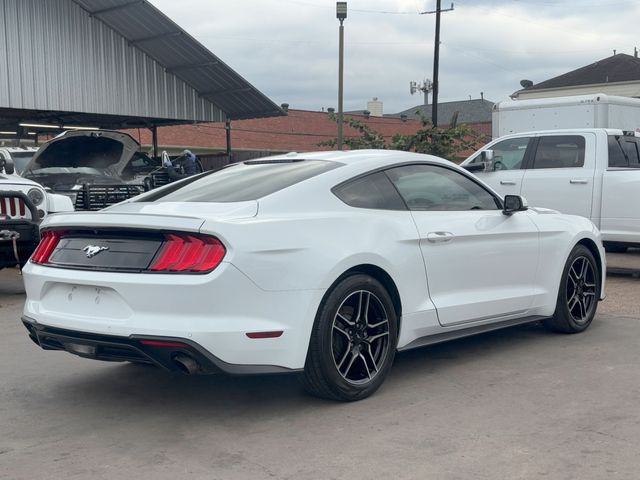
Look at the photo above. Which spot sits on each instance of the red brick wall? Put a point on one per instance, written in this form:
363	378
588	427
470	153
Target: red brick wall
300	131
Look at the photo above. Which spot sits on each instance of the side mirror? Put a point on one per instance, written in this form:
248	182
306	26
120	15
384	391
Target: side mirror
8	166
487	160
487	155
513	204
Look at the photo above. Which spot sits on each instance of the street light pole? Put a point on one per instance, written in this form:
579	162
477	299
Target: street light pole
341	14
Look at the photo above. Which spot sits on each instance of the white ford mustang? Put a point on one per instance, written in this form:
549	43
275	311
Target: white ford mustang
324	263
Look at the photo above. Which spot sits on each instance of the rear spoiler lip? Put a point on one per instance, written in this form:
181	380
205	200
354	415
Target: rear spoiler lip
108	220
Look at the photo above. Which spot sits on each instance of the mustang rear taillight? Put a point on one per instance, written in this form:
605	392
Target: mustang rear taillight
188	253
48	243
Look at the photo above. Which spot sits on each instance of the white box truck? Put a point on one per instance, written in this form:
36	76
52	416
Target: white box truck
579	111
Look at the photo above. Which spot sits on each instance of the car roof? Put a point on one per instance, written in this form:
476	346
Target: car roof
361	160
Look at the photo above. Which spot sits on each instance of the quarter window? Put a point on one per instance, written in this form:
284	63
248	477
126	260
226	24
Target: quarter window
373	191
434	188
560	151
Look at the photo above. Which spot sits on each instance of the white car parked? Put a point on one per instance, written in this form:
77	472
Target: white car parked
23	205
322	263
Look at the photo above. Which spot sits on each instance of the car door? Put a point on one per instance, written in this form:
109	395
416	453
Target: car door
620	219
560	173
507	167
480	263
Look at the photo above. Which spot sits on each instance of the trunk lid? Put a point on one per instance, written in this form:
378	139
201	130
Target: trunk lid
181	216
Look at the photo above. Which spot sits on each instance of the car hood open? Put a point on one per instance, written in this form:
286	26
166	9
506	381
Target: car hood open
76	157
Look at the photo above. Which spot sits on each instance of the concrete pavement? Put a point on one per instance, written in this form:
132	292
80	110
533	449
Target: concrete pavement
516	404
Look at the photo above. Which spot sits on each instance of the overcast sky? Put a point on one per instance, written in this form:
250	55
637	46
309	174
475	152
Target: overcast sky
289	48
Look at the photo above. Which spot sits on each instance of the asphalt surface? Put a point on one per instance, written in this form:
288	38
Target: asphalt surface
516	404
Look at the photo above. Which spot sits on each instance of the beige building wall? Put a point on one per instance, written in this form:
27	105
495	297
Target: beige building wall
624	89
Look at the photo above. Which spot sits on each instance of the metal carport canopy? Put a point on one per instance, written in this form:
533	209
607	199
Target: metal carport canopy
148	29
112	64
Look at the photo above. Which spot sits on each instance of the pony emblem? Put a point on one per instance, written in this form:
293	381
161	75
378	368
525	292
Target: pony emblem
92	250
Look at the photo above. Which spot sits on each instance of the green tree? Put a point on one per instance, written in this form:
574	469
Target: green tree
368	137
447	142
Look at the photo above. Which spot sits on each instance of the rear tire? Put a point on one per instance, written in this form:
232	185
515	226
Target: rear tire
353	342
578	294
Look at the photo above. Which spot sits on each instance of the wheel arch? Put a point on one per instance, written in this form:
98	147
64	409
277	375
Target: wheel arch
383	277
593	248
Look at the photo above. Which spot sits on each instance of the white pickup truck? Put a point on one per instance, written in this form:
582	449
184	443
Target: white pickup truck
591	172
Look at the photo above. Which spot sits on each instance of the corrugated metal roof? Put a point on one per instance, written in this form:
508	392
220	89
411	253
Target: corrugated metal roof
149	30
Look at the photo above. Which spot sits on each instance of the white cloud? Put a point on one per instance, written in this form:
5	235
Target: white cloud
288	48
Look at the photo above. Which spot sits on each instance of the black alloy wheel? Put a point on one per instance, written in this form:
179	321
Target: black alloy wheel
578	294
360	340
353	341
581	289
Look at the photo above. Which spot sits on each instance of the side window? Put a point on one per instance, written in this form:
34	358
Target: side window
631	149
373	191
434	188
617	157
560	151
508	154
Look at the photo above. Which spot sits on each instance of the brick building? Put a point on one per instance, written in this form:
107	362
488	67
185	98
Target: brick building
300	131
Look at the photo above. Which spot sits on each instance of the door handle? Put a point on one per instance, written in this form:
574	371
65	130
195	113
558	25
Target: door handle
578	181
439	237
507	182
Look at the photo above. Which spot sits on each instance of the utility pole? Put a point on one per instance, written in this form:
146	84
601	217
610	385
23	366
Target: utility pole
436	60
341	14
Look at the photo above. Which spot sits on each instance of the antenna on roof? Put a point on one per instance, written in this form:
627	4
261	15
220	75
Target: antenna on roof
425	87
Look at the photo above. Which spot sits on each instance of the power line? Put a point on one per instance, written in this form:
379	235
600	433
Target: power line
359	10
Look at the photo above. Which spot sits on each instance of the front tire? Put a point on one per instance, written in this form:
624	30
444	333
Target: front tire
353	342
578	294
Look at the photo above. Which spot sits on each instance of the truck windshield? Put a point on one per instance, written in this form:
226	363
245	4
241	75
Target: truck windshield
20	160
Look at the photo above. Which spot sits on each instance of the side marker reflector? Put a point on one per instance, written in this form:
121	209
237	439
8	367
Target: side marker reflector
274	334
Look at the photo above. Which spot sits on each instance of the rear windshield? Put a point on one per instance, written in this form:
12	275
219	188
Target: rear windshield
237	183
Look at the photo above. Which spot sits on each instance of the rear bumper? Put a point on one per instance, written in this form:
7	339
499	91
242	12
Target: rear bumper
162	351
216	311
